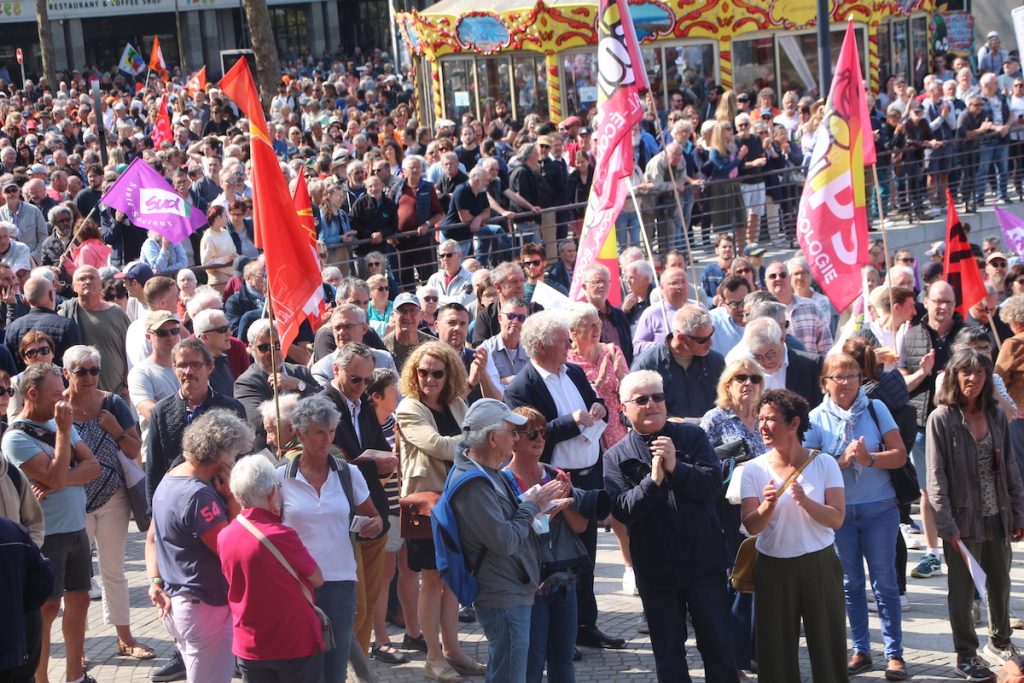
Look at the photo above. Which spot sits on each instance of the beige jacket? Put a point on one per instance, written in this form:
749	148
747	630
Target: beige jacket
425	455
22	508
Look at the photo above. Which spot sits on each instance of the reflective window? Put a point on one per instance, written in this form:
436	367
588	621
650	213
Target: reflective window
653	64
579	81
289	30
459	90
531	83
798	59
919	65
494	82
900	49
753	64
690	69
884	57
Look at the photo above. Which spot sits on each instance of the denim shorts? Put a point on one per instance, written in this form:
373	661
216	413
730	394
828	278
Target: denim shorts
69	553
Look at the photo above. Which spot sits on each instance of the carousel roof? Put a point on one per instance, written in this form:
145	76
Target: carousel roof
458	7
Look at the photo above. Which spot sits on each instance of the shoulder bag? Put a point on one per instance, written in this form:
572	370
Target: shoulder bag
414	509
743	569
325	621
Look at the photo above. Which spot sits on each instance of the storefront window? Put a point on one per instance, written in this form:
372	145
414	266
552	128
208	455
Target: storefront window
579	81
690	69
798	60
493	82
459	90
531	82
653	63
753	64
289	31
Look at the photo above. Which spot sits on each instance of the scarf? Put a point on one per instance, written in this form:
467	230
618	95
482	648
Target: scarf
847	420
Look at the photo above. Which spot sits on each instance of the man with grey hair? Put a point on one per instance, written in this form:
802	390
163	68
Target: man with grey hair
597	283
54	246
686	360
277	421
468	213
807	322
497	533
993	149
665	167
452	280
154	379
28	219
356	292
250	297
510	281
348	324
42	317
419	212
566	399
505	353
653	326
16	254
784	367
212	328
679	553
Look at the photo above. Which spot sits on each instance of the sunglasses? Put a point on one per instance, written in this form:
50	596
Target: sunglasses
219	330
447	254
381	288
263	348
699	340
82	372
163	334
373	264
41	351
777	276
534	434
521	317
7	390
358	380
430	299
424	373
740	271
997	264
743	379
644	400
533	263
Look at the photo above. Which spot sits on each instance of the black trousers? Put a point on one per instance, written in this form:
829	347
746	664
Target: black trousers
586	603
307	669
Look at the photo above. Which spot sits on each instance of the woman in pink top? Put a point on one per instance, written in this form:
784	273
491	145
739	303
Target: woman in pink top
91	249
603	364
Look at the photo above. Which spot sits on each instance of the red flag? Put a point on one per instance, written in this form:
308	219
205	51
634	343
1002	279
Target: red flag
832	225
621	77
196	83
162	131
959	265
156	60
304	210
293	274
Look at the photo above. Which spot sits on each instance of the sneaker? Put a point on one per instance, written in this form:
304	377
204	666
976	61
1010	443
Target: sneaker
911	537
174	670
974	669
976	612
94	591
629	582
642	626
929	566
998	653
904	604
467	614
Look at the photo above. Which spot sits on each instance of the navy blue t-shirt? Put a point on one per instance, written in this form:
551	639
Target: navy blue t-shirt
463	199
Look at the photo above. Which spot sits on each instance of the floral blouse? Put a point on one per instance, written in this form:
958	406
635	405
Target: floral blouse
724	426
603	375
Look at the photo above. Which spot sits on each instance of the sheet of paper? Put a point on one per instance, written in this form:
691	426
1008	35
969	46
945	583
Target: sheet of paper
549	297
594	431
977	573
359	523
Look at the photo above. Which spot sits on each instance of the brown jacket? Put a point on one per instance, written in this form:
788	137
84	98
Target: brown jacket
954	490
1010	366
425	456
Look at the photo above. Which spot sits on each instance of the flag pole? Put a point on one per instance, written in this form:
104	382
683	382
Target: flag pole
650	253
273	361
885	247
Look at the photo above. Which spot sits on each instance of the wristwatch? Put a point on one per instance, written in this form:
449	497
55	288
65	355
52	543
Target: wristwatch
302	387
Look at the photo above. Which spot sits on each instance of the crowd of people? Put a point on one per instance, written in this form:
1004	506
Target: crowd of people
288	490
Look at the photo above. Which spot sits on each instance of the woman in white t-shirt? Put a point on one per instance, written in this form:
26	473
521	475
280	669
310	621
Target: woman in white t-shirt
795	501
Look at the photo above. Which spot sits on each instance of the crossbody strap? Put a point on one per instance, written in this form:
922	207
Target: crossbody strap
276	553
785	485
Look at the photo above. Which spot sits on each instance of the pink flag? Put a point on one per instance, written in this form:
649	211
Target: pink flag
151	203
832	225
162	128
621	78
1013	230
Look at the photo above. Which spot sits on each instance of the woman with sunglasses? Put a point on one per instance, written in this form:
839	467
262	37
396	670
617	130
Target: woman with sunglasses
430	299
6	392
35	347
378	313
863	438
379	264
429	427
106	425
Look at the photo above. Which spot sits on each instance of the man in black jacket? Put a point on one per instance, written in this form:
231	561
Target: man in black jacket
43	318
510	281
250	297
374	217
664	479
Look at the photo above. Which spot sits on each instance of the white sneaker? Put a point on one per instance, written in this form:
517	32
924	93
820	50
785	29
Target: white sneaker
94	591
911	539
904	604
629	582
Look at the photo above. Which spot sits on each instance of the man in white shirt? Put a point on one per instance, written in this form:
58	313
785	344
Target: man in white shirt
452	281
153	379
348	324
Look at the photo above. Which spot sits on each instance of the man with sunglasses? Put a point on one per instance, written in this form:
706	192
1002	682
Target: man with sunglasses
676	541
452	280
688	362
506	356
212	329
535	262
159	294
29	219
808	322
154	378
40	296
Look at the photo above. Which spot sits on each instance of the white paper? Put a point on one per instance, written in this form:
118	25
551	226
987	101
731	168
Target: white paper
461	98
359	523
594	431
133	474
977	573
549	297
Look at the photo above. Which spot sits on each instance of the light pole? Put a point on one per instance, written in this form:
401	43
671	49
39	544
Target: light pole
824	48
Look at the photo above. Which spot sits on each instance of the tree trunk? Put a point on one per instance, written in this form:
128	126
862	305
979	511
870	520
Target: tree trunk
268	68
46	44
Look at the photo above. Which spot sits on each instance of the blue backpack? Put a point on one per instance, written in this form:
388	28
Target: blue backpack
452	563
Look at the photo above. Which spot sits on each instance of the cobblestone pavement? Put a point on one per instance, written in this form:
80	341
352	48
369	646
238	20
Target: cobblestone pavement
926	632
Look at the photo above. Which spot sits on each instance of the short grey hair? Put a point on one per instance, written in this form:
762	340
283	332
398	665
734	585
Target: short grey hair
185	274
257	330
216	436
11	229
580	311
286	404
540	328
58	211
314	410
503	270
768	309
597	268
330	272
349	308
80	353
204	320
252	480
761	333
690	318
35	287
478	437
34	376
637	379
205	298
454	244
348	285
349	351
642	268
1012	310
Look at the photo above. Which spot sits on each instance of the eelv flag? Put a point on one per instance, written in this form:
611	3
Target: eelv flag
156	59
621	77
959	265
131	61
151	203
832	224
293	272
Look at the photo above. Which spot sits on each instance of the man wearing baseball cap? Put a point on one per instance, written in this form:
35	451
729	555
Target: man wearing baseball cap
406	335
135	275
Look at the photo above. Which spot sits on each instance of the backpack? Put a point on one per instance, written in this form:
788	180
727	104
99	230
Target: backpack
452	563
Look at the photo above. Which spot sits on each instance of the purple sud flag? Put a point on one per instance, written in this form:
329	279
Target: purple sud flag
151	203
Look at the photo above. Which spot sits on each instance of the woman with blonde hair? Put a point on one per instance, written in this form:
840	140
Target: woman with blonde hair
727	108
722	191
379	311
430	417
217	247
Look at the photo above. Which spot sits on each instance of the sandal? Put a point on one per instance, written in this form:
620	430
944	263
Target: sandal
467	666
135	651
442	674
388	654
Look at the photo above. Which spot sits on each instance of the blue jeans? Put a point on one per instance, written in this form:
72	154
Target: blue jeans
491	245
627	229
508	639
996	156
869	533
338	600
553	637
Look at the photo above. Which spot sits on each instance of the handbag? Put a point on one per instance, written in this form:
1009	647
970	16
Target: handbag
135	485
326	628
414	515
742	578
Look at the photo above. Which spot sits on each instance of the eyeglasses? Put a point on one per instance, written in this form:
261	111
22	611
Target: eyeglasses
408	313
7	390
263	348
430	299
424	373
943	302
844	379
905	259
645	399
597	283
743	379
41	351
743	125
699	340
354	379
767	356
734	304
223	329
163	334
82	372
447	254
997	264
372	264
380	288
534	434
520	317
534	263
777	276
